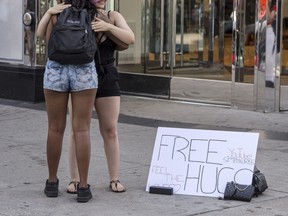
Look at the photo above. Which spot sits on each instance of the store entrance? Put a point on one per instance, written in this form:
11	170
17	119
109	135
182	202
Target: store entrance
185	40
174	32
190	43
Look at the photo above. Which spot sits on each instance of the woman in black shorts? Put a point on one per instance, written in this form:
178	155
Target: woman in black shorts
113	33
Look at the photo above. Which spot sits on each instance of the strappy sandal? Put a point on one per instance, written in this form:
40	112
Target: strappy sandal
72	187
114	187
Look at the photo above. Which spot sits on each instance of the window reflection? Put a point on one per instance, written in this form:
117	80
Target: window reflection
29	31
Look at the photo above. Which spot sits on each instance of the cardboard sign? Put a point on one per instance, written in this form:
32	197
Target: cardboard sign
201	162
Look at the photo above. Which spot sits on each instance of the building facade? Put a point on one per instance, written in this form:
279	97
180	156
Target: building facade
207	51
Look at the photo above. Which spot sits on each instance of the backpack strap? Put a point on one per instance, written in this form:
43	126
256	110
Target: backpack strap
98	54
109	14
99	66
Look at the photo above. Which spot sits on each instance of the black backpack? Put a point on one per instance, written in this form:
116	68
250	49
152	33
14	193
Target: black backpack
72	39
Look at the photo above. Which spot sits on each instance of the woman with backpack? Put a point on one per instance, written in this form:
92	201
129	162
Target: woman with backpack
113	33
60	80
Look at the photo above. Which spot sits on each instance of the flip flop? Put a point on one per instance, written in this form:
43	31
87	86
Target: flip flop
72	187
114	188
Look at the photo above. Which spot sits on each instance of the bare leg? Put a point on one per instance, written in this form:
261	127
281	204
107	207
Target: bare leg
56	105
82	103
108	109
73	167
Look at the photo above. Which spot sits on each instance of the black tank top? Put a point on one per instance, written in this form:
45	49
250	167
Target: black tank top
107	51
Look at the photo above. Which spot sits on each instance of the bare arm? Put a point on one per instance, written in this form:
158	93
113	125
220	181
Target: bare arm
45	25
271	12
119	44
118	31
271	16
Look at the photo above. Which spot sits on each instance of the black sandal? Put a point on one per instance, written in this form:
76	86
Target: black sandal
75	183
115	188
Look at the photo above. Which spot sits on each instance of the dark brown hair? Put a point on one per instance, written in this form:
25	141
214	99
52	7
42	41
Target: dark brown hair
78	3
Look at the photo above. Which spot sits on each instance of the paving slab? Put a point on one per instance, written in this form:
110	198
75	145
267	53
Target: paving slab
24	168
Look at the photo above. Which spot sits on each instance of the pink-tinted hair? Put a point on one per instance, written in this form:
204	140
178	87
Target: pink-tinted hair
94	1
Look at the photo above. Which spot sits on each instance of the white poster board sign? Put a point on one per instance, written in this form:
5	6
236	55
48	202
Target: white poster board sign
201	162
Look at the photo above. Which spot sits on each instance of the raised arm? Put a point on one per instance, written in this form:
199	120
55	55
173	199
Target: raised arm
117	30
46	22
271	14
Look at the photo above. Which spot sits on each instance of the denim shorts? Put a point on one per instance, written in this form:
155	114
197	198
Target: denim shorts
70	78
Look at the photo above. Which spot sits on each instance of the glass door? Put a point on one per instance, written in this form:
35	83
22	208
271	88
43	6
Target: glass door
189	33
157	31
282	52
174	32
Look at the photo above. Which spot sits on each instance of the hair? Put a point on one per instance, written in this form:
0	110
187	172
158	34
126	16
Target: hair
87	5
272	4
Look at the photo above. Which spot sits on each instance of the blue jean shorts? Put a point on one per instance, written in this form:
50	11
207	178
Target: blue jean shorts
70	78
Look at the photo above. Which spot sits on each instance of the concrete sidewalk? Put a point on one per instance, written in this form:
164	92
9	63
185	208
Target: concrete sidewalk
24	170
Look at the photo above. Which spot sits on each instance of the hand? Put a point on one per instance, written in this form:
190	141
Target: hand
104	17
58	8
98	25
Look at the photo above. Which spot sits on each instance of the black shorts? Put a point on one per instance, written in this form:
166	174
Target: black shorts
108	82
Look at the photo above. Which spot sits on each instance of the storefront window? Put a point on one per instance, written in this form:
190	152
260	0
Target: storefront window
11	33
